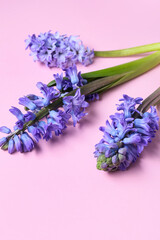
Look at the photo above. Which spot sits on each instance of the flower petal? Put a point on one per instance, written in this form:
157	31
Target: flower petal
5	129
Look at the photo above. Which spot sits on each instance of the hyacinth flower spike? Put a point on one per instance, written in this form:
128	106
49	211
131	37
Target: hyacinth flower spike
57	50
61	51
129	131
64	99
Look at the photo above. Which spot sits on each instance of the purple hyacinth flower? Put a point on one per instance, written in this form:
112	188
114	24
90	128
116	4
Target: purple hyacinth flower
18	144
88	57
72	79
49	93
59	80
5	129
25	101
48	132
36	132
11	146
58	120
55	116
29	116
152	118
57	50
32	97
62	83
126	136
3	140
72	74
59	116
42	126
79	52
134	138
75	105
148	124
19	124
15	111
128	105
57	129
27	142
82	81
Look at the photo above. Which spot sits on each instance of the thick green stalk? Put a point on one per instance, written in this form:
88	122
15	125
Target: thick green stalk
129	51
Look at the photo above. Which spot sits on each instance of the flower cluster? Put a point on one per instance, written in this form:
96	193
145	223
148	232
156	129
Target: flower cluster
126	136
30	128
71	81
57	50
75	106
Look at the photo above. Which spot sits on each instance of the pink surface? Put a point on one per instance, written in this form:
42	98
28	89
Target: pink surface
55	192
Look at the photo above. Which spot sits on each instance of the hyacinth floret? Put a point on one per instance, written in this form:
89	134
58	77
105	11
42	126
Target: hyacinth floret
75	105
72	79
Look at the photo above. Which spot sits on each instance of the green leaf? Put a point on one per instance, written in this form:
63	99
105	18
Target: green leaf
150	63
119	69
151	100
52	83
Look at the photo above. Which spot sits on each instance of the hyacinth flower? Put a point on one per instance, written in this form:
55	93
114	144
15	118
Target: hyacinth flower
61	51
57	50
65	99
130	130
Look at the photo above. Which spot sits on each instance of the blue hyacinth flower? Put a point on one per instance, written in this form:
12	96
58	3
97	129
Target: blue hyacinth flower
126	136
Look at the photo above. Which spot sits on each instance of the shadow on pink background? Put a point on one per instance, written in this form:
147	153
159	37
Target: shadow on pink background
56	192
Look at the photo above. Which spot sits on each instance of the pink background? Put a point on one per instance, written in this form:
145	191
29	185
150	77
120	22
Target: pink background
56	192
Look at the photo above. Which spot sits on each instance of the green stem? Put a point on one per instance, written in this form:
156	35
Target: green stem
129	51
